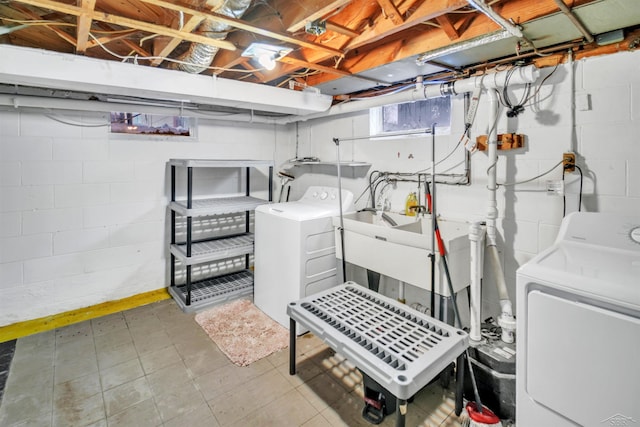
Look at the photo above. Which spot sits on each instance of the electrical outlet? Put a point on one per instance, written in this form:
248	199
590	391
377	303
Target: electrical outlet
569	162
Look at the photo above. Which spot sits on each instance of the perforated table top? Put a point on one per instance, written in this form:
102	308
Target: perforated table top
400	348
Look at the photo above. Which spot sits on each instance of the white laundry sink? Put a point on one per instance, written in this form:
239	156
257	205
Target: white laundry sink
402	251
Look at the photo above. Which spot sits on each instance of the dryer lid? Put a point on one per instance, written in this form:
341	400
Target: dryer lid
593	254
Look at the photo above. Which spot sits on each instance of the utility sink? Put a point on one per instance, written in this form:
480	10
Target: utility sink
402	251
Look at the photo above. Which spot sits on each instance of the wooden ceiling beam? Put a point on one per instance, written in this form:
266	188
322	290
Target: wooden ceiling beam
312	66
84	24
390	11
165	51
301	12
447	26
336	28
129	23
60	33
426	11
243	25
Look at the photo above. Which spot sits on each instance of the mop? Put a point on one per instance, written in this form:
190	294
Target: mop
475	415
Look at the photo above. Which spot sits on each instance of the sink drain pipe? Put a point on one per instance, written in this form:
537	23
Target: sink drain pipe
506	320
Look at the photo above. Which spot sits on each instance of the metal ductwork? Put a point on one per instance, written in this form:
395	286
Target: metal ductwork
199	56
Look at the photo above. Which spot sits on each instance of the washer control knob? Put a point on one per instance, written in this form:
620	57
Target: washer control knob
635	234
324	195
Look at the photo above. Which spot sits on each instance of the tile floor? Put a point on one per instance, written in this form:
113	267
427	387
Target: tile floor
154	366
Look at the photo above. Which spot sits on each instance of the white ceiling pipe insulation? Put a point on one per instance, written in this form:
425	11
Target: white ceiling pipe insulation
522	75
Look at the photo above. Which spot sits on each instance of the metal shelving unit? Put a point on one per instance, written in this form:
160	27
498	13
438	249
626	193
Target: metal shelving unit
196	295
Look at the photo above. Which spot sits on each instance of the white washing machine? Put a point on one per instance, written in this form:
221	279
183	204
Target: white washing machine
295	250
578	326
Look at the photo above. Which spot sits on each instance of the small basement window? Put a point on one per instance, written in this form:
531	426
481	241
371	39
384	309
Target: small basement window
394	119
151	124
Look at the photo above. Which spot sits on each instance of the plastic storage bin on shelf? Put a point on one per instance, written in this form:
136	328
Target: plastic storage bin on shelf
215	289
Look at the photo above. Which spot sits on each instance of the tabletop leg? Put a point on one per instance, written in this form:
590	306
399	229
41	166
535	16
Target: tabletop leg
459	383
292	346
401	411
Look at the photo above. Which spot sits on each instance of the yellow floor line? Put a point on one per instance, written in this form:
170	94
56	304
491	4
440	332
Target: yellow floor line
29	327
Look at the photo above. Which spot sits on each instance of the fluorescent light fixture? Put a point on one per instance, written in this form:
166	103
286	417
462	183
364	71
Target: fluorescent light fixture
459	47
267	61
266	54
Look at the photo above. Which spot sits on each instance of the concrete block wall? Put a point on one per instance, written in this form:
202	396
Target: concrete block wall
603	130
83	216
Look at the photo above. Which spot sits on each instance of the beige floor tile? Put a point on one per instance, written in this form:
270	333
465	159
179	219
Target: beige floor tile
322	391
436	402
24	376
191	343
75	348
23	407
291	409
33	358
128	394
73	332
199	417
305	371
112	339
206	361
99	423
143	325
40	342
139	314
121	373
220	381
317	421
178	400
66	370
64	394
79	412
110	323
152	341
157	359
254	394
154	365
142	414
168	377
45	420
113	356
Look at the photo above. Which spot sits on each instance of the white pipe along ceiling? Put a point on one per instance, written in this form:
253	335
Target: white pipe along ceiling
24	67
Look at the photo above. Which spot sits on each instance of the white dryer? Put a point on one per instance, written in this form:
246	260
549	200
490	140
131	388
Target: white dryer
295	250
578	326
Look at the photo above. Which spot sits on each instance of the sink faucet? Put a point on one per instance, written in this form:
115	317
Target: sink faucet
420	210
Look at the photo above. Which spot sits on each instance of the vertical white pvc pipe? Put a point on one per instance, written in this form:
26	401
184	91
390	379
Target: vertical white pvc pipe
476	238
492	152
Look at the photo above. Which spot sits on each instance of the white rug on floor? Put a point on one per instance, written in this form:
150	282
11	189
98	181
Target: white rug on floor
243	332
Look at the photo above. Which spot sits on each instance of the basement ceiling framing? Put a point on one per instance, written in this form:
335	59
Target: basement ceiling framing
362	37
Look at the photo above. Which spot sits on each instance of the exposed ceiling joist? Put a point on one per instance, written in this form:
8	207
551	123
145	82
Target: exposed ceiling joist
84	24
170	46
302	12
425	12
242	25
390	11
129	23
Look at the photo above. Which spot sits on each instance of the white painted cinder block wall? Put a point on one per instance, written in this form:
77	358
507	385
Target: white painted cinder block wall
83	218
605	136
